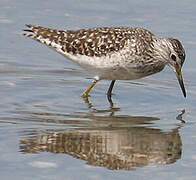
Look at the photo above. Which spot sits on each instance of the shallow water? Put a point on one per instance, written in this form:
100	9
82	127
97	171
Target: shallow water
48	131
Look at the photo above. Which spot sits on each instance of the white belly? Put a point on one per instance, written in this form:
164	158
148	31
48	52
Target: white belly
112	67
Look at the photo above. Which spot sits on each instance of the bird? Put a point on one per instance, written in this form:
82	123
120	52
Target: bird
114	53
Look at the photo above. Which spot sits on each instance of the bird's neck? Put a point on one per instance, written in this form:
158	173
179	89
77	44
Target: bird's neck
161	50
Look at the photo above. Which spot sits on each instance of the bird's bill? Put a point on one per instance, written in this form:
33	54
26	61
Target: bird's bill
180	79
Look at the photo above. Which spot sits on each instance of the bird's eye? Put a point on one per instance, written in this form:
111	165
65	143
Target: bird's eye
173	57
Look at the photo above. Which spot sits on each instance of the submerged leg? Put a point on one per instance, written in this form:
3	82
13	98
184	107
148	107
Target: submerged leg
85	93
109	93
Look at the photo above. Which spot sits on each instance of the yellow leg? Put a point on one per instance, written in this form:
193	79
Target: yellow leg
85	93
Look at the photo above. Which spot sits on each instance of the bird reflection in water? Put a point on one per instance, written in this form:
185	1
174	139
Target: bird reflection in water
113	142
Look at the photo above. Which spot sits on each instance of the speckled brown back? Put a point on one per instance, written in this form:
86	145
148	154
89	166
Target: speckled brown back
94	41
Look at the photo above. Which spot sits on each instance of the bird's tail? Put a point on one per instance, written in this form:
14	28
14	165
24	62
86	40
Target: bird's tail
50	37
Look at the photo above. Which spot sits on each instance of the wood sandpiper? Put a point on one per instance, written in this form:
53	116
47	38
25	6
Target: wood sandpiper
114	53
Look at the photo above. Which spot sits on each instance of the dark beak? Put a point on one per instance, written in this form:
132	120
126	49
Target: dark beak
180	79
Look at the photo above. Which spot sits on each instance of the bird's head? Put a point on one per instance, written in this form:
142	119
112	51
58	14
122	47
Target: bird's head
172	53
176	60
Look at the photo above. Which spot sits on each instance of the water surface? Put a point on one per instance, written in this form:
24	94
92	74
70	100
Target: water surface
48	131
